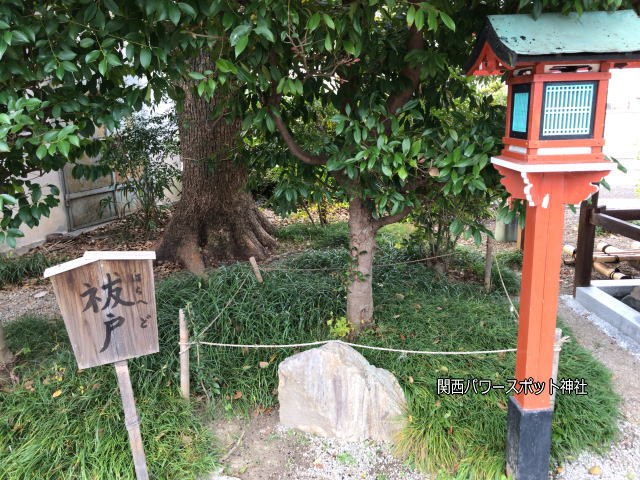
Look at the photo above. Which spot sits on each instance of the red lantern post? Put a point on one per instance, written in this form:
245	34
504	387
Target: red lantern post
557	71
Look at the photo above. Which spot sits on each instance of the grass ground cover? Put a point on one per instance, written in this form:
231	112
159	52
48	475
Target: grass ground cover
62	423
458	436
31	265
461	436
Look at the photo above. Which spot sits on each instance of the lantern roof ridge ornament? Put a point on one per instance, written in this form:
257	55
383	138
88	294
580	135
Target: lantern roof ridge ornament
507	41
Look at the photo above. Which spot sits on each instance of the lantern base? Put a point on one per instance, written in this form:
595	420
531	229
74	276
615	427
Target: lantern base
528	442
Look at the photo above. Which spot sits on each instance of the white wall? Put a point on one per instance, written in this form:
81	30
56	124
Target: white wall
622	124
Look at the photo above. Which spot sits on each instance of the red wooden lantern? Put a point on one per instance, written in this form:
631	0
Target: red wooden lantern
557	70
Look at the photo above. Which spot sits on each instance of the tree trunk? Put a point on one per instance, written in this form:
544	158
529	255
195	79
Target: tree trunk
488	264
322	212
6	357
216	219
362	245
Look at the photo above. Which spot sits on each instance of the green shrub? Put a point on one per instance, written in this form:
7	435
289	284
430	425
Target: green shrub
466	258
333	235
140	153
15	269
510	258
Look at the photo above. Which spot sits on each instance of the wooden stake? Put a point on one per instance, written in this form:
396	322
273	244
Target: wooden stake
256	270
488	264
131	419
520	238
185	381
584	249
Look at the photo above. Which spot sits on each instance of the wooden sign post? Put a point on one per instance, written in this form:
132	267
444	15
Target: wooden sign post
108	304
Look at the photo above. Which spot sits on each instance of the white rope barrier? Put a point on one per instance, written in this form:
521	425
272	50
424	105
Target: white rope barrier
355	345
512	308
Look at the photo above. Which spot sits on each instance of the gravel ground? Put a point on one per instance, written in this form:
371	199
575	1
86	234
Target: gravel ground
332	459
622	356
621	462
29	299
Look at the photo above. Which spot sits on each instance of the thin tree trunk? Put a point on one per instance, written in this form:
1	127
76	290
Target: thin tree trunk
6	357
322	212
216	219
488	264
362	245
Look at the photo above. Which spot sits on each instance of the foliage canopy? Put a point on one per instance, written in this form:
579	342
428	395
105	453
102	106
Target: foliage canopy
379	66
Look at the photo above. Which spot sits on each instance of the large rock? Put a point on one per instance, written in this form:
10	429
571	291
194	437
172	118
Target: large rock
333	391
633	299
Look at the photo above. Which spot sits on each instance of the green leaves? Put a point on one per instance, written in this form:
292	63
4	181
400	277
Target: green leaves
411	15
86	42
241	44
328	43
188	9
416	16
19	37
314	21
6	198
264	31
226	66
41	152
174	14
328	21
92	56
145	57
239	38
349	47
448	21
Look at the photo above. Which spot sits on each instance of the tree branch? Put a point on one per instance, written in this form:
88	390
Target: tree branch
389	219
411	186
398	99
294	148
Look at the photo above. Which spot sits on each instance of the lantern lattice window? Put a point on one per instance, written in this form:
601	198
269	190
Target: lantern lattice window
568	110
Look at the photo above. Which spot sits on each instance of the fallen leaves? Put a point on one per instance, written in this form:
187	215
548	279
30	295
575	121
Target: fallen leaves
56	394
595	470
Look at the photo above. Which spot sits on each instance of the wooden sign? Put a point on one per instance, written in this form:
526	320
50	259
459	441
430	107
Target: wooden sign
108	304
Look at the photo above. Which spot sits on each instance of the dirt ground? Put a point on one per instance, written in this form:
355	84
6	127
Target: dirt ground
259	449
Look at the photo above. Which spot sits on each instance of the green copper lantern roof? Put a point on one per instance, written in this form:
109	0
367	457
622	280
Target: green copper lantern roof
553	36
